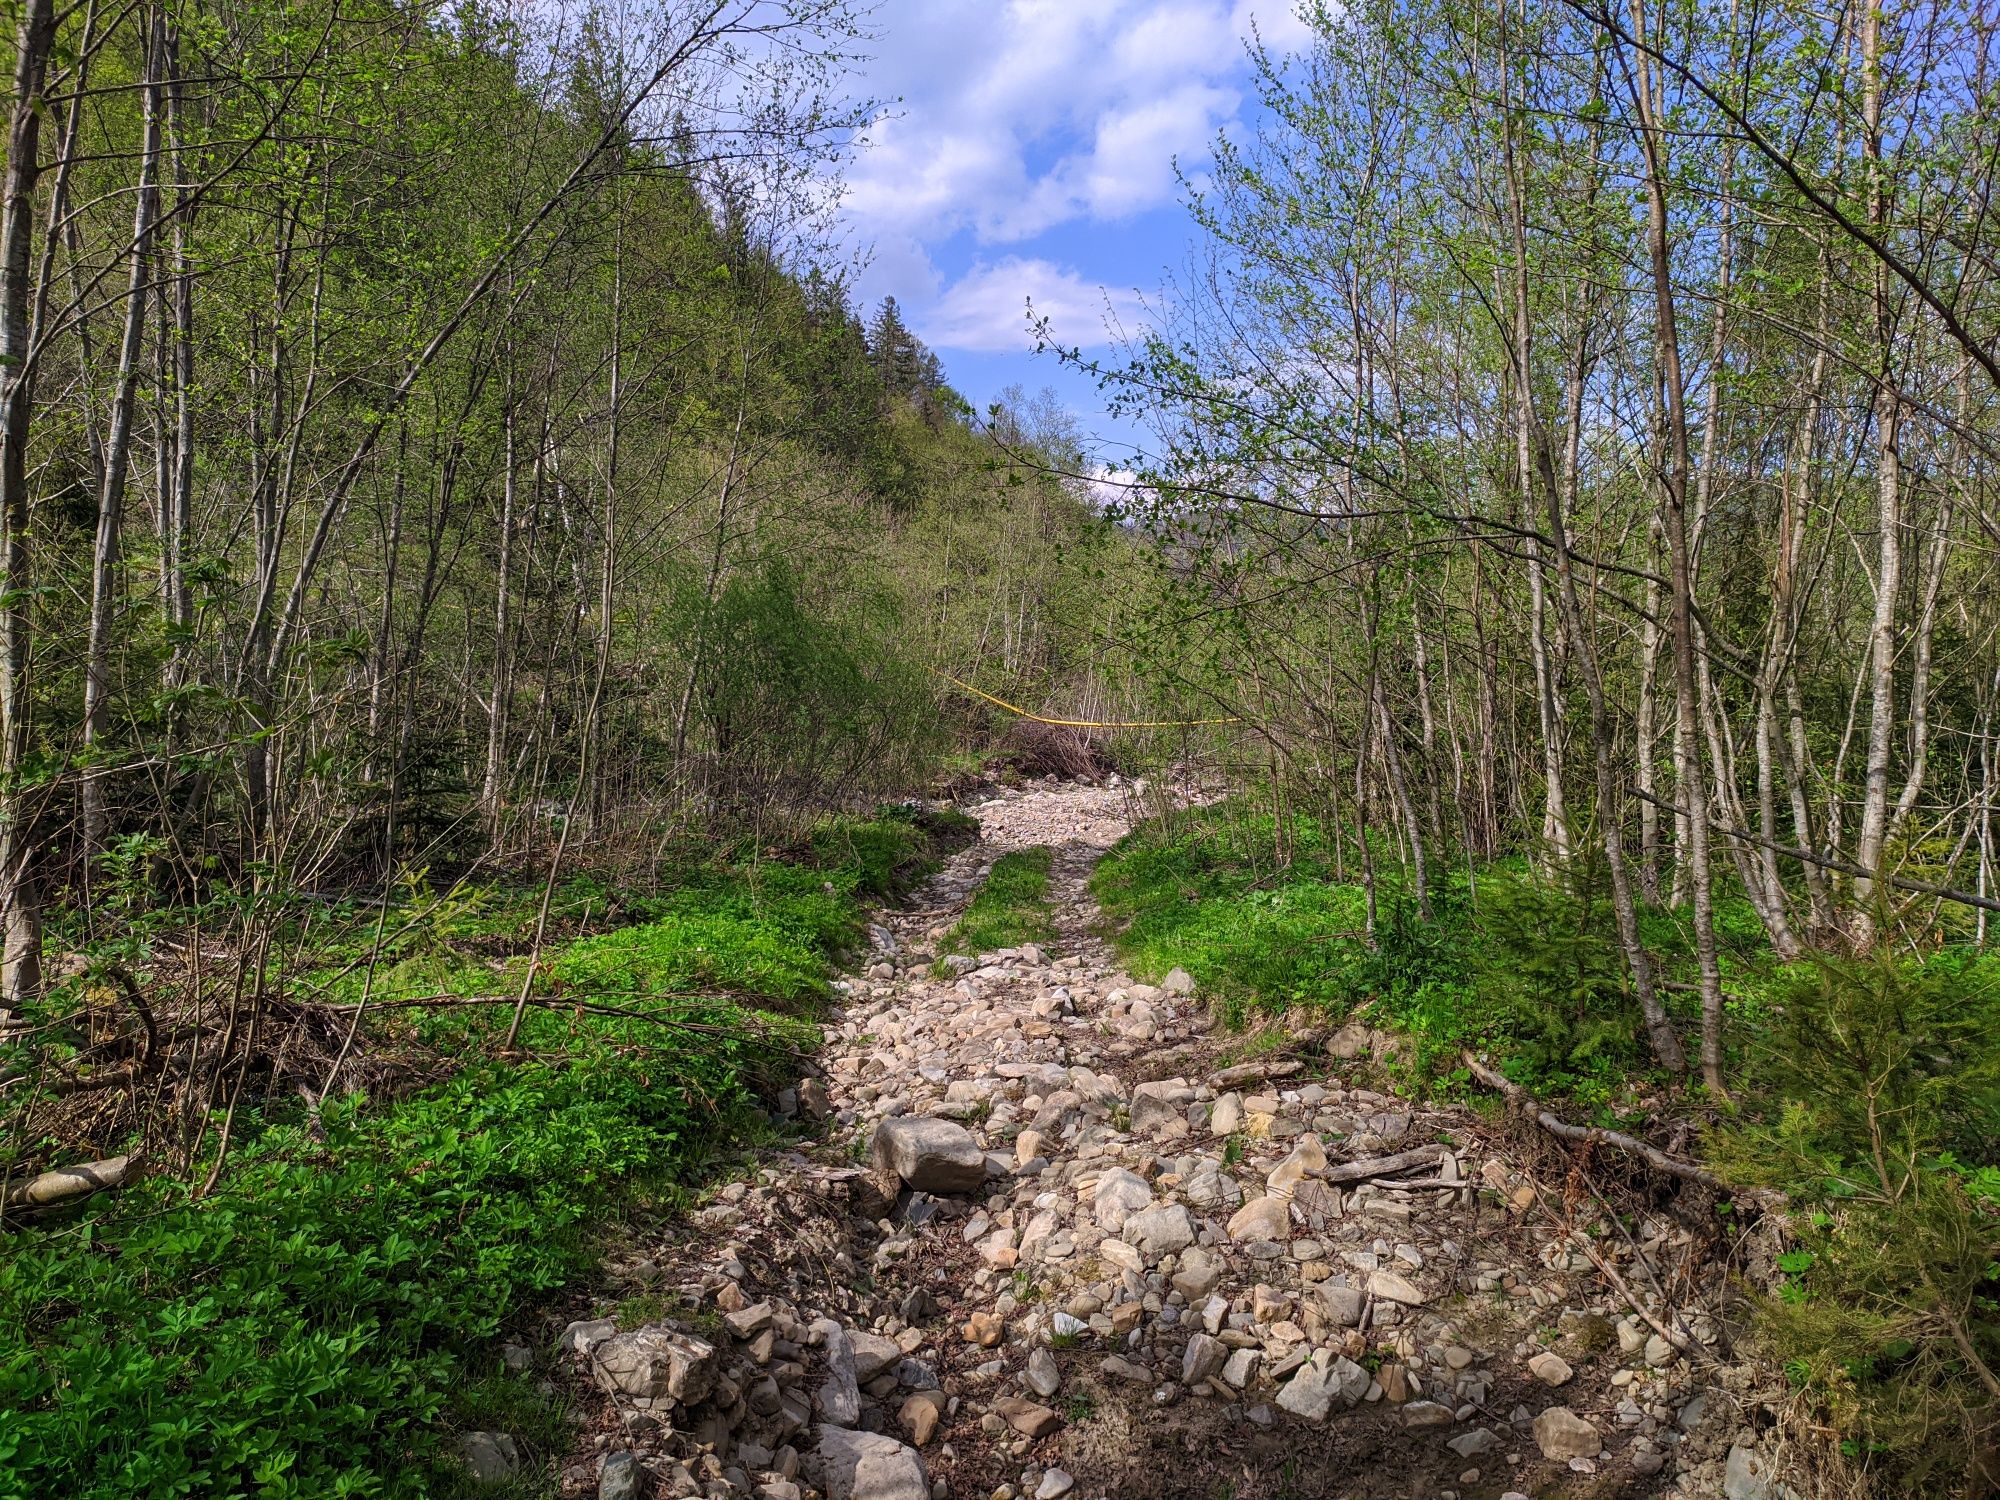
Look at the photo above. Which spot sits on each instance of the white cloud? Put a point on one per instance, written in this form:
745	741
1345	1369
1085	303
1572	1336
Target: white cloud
1021	116
986	310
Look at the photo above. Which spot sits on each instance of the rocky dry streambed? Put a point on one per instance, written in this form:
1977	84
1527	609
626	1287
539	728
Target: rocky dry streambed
1053	1245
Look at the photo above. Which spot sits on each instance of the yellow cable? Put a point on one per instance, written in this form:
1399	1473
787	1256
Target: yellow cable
1082	723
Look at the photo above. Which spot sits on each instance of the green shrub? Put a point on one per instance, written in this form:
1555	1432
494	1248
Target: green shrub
1882	1076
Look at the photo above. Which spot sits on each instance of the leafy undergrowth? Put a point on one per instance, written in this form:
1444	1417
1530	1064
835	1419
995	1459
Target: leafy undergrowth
307	1328
1521	965
1010	908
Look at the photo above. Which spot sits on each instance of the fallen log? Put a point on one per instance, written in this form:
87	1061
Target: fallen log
1531	1108
1255	1072
66	1184
1381	1166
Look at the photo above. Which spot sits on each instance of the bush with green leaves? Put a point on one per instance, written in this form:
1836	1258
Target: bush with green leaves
1876	1107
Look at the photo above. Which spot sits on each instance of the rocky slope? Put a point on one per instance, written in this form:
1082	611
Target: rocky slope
1058	1243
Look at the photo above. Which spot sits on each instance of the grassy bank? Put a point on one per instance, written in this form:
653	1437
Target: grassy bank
1011	906
319	1324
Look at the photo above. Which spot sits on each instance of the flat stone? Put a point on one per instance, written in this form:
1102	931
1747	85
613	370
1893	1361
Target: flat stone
1743	1476
1392	1288
869	1466
1424	1414
1550	1369
1562	1435
1159	1232
748	1322
1472	1444
1055	1484
1029	1418
1178	982
929	1155
1266	1218
1343	1304
1310	1393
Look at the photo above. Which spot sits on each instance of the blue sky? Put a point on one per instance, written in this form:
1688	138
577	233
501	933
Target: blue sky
1030	154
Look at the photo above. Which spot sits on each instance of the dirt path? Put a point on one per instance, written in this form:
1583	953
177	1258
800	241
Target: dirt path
1116	1266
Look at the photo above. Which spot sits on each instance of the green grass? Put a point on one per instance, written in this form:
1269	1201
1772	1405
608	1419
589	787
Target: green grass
1526	968
1010	908
323	1323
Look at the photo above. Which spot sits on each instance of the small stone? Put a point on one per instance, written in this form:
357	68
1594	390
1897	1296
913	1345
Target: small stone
984	1329
1550	1369
1424	1414
1743	1476
1119	1194
1159	1232
1390	1287
1472	1444
748	1322
1561	1434
1042	1377
1203	1357
490	1457
1178	982
1028	1418
654	1362
1659	1353
619	1477
1055	1484
920	1416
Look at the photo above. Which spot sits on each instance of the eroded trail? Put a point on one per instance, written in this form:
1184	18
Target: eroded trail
1114	1265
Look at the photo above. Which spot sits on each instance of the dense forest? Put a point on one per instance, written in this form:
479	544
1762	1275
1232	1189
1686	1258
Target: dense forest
482	595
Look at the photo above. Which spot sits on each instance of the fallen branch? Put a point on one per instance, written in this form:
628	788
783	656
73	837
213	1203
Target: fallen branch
66	1184
1531	1108
1381	1166
1255	1072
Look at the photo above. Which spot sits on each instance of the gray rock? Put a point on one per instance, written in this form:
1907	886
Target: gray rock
619	1478
490	1457
1472	1444
1160	1231
1203	1357
581	1338
872	1354
1743	1476
1119	1194
868	1466
1178	982
1311	1392
839	1395
1055	1484
1343	1304
655	1363
930	1155
1158	1104
1562	1435
1042	1377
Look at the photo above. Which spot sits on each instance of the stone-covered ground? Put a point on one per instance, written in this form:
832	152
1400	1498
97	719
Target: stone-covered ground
1057	1243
